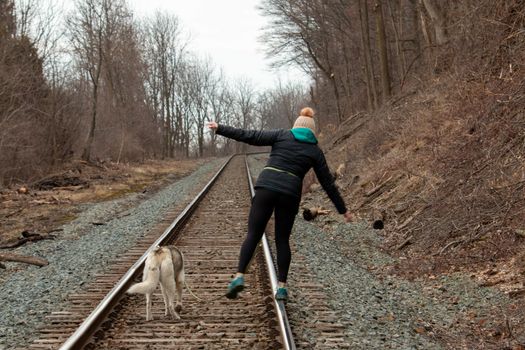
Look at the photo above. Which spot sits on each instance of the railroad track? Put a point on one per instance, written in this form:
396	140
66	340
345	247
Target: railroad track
209	233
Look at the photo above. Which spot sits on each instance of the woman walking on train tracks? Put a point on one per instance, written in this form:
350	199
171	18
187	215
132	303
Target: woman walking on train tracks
278	189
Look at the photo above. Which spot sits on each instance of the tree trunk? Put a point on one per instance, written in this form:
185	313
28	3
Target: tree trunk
397	32
200	138
426	54
438	21
424	27
383	50
337	98
369	67
411	10
86	155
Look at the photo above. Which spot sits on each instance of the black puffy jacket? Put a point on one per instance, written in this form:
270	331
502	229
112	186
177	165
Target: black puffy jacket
294	152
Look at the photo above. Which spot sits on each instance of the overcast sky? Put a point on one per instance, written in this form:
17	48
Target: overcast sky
227	31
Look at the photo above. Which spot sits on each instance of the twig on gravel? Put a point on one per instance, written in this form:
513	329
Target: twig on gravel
33	260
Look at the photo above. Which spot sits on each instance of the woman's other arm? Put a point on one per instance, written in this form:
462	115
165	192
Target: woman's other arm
328	183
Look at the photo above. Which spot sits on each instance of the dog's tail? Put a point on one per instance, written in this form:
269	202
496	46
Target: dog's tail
150	279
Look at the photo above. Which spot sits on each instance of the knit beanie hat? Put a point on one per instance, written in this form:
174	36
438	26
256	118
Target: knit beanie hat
305	119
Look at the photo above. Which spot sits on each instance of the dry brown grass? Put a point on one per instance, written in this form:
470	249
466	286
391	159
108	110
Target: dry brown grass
43	211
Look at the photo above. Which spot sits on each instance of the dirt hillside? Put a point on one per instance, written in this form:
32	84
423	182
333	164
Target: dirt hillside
445	168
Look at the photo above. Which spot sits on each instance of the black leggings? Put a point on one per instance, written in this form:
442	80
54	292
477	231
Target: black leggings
263	204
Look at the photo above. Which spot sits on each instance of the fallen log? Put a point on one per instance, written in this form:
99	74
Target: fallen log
70	188
54	181
33	260
26	237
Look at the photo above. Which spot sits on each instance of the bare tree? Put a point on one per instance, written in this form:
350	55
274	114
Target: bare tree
165	51
200	82
245	102
39	21
221	105
383	49
87	28
367	51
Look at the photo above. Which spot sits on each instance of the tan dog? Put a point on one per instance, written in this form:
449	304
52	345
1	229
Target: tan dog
164	264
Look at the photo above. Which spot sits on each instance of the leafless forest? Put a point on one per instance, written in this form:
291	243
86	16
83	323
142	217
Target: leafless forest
106	86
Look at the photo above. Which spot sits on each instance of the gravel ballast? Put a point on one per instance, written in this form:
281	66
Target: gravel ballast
382	311
80	251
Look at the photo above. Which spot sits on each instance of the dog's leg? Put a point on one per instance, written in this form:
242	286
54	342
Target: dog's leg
170	292
179	279
149	317
168	284
165	297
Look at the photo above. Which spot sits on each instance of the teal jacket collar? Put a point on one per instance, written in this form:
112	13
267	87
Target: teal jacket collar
304	135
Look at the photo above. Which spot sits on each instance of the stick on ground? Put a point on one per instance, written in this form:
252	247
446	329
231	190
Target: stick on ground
27	238
33	260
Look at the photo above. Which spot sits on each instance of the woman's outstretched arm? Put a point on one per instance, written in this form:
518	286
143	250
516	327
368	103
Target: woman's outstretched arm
252	137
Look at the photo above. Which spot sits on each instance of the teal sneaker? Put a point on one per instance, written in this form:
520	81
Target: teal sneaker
236	286
282	294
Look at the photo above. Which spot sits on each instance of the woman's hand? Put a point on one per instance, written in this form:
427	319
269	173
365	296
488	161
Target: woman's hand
348	217
213	125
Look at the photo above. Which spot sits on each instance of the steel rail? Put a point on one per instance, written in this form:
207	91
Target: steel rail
92	323
284	324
